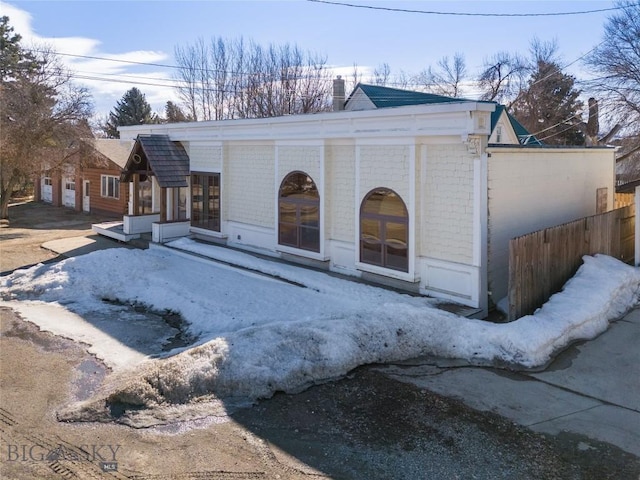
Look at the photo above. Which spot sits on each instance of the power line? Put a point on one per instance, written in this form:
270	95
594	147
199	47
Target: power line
232	72
124	75
219	90
117	80
465	14
176	83
570	127
151	64
90	57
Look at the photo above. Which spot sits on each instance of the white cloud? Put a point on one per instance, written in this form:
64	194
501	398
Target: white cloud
20	21
107	75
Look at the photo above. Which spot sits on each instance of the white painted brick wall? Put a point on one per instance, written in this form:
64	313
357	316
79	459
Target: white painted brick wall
447	220
250	183
417	216
385	166
205	158
340	160
299	158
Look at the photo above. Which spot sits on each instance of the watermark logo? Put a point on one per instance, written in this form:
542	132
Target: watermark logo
104	455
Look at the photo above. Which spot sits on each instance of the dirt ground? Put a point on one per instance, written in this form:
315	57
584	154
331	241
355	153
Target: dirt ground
32	224
365	426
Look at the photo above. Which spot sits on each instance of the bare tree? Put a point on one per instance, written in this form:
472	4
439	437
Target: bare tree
236	79
616	62
187	78
446	79
354	78
315	86
219	76
44	115
503	77
236	96
403	80
381	75
543	51
205	93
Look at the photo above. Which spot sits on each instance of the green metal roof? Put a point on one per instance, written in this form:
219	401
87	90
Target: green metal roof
524	137
495	115
384	97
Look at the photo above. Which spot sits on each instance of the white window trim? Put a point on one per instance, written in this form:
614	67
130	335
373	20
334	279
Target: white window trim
411	275
196	228
105	194
322	255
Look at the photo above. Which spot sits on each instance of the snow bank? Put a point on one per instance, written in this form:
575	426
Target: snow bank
260	336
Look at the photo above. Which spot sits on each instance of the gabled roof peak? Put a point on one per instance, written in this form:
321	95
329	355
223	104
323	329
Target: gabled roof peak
384	97
160	156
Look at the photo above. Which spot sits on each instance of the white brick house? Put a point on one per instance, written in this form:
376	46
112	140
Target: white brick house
412	196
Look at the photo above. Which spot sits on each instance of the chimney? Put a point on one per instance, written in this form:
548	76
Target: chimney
593	126
338	94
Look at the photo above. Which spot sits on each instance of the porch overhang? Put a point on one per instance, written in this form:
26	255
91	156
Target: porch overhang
158	156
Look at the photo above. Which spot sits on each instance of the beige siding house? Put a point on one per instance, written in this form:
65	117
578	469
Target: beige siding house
420	196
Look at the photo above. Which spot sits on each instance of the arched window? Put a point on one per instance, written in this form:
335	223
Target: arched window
384	230
299	212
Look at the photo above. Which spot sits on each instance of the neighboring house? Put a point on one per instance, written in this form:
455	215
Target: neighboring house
101	190
505	129
58	187
422	196
90	181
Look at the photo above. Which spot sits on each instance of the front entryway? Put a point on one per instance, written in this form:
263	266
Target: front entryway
69	195
86	199
47	189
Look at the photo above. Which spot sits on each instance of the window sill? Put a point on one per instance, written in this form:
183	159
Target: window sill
165	222
205	231
388	272
302	253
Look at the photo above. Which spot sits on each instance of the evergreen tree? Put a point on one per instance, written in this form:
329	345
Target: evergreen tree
132	109
549	107
14	61
174	114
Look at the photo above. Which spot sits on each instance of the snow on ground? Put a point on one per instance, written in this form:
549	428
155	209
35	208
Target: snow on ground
259	334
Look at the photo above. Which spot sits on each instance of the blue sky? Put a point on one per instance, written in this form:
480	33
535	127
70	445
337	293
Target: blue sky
148	31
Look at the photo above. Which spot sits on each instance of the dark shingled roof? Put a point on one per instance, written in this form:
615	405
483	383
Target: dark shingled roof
167	160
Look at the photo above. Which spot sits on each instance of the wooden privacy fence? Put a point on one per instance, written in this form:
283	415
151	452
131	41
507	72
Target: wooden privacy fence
541	262
623	199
